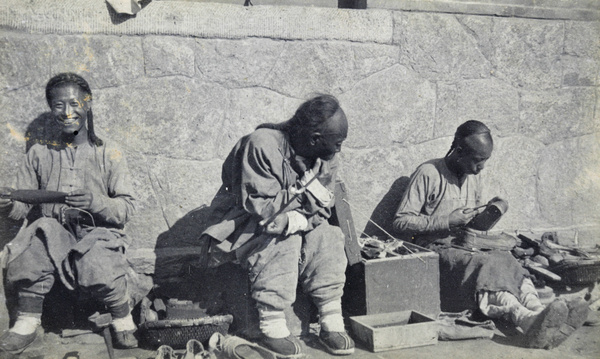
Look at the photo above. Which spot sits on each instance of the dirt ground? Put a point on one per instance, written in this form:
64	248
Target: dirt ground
584	343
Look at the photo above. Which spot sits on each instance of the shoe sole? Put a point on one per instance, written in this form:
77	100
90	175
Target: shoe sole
277	355
336	351
578	312
544	333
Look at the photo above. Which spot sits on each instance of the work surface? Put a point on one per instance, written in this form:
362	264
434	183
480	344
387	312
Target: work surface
585	343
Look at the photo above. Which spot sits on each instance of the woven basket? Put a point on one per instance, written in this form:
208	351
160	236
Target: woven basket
581	271
177	332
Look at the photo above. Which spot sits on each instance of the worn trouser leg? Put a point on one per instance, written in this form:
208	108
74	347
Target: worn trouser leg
32	272
322	273
272	264
102	271
496	304
323	266
273	270
529	296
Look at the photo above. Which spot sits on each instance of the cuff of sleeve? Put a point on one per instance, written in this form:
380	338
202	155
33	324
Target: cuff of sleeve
98	203
6	205
296	222
443	223
320	192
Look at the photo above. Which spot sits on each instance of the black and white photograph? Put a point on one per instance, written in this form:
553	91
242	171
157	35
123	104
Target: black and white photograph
287	179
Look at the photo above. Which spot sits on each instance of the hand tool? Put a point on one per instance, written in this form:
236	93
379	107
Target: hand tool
101	322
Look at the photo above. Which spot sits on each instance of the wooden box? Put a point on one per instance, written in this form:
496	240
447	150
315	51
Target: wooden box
397	330
393	284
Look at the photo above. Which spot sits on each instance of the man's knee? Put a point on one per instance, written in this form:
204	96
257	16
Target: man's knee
325	239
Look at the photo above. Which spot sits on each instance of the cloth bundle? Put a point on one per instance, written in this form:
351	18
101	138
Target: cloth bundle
460	326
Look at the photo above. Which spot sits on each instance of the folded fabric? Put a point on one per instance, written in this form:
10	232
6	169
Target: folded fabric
461	326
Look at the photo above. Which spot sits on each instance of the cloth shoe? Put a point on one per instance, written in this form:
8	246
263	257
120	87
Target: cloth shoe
233	347
125	339
13	342
165	352
337	343
545	331
289	347
577	315
195	350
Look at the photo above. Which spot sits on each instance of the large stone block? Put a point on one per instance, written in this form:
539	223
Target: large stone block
369	175
20	107
582	39
170	212
208	20
247	108
580	71
170	116
511	174
24	60
183	185
569	181
237	63
525	52
104	61
554	115
392	106
305	68
168	55
488	100
438	47
145	227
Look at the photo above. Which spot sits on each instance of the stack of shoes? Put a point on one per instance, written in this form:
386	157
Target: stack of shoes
556	323
193	350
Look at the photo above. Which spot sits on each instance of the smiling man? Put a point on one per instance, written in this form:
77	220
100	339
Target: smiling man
271	215
80	242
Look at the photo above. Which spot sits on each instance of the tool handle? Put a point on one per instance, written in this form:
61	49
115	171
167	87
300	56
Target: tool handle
37	196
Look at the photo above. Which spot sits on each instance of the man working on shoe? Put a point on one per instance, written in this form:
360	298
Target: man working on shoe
271	215
78	238
436	206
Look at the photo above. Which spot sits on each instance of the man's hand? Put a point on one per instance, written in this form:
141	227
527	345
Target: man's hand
277	225
299	164
461	216
81	198
4	196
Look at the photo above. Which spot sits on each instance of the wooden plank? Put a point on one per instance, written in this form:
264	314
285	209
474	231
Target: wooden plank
342	217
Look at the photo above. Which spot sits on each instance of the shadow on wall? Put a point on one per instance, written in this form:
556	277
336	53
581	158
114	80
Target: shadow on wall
384	212
181	254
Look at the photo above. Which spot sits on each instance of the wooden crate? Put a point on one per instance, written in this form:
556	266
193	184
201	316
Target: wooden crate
393	284
397	330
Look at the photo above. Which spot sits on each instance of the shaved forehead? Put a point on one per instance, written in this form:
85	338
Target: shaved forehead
480	144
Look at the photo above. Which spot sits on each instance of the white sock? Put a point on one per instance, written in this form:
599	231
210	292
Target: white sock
123	324
26	325
330	317
272	323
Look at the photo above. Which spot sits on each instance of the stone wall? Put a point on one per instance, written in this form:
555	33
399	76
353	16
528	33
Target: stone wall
180	82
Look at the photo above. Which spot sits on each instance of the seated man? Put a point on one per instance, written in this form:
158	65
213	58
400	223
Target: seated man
79	241
438	202
270	215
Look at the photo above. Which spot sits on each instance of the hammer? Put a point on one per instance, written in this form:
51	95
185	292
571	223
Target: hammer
101	322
